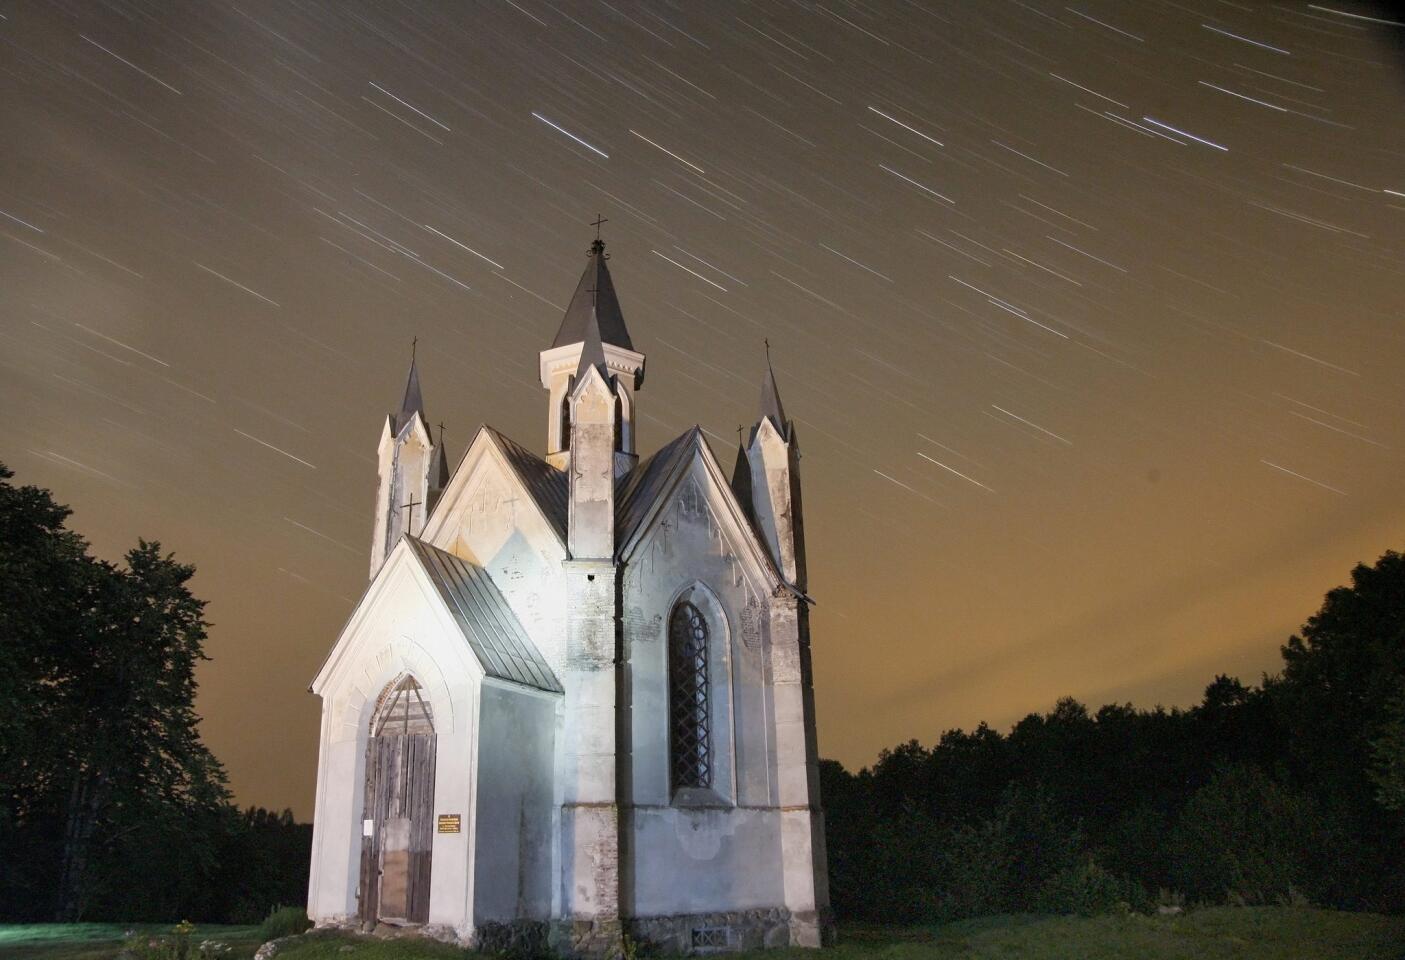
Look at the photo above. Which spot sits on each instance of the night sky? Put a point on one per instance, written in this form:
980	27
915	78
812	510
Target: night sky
1088	315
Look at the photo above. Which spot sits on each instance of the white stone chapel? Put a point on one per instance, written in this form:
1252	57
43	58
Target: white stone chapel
574	703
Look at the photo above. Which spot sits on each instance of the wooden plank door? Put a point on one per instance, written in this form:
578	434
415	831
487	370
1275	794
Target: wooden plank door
395	861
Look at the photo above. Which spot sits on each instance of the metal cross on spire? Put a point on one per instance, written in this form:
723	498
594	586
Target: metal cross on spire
597	248
410	508
414	346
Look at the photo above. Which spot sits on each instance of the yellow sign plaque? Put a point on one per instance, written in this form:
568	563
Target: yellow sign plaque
449	823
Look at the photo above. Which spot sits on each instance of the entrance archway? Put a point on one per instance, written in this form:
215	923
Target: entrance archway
399	806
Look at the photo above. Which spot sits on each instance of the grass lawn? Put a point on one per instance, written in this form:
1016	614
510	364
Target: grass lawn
102	941
1225	933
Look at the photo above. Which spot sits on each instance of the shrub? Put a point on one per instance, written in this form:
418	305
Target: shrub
978	870
1088	890
1244	838
284	922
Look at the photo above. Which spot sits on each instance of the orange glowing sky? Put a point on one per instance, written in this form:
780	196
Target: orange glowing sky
1089	319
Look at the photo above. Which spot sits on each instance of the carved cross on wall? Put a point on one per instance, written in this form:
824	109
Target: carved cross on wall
509	501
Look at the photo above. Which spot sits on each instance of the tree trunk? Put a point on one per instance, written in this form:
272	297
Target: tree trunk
85	800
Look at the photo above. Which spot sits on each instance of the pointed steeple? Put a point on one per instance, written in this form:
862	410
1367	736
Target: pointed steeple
774	461
412	471
594	305
592	354
592	335
741	477
771	398
413	402
439	466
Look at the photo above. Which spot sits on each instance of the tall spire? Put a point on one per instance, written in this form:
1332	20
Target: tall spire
413	402
594	304
592	353
771	397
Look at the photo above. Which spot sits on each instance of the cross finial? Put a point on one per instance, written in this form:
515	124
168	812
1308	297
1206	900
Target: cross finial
414	345
441	433
767	342
410	507
597	247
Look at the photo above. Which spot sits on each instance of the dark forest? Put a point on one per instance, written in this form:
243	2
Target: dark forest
1288	791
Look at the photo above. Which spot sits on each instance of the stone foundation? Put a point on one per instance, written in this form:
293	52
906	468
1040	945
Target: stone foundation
587	938
528	938
683	934
730	932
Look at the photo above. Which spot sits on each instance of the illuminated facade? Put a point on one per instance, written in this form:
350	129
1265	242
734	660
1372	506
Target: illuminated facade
574	702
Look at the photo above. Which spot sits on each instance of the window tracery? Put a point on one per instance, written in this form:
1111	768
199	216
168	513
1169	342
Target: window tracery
690	746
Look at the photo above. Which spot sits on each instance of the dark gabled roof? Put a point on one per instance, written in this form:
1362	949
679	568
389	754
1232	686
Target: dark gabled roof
413	402
600	309
486	620
545	483
637	490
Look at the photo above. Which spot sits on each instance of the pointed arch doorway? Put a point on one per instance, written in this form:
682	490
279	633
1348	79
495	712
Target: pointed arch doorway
398	830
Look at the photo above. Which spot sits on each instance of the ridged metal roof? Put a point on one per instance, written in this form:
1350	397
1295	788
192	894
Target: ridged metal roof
488	624
638	489
545	484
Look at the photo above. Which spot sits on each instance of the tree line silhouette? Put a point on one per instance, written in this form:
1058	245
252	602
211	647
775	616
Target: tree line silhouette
112	808
1287	791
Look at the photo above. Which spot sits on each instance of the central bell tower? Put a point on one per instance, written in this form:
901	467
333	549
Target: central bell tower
593	315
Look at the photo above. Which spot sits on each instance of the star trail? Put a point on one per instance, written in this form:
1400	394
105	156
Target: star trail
1089	316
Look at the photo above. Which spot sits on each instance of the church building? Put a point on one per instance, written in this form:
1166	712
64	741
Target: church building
574	703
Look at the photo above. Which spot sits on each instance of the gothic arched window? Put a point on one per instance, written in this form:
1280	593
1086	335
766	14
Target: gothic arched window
402	711
690	746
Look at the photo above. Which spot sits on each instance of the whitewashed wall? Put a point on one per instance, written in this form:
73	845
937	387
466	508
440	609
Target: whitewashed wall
490	522
400	627
516	805
696	859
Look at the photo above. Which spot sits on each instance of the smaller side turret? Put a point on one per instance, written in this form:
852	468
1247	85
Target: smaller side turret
413	472
773	457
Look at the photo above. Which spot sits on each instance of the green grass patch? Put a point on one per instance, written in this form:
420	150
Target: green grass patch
331	946
103	941
1221	933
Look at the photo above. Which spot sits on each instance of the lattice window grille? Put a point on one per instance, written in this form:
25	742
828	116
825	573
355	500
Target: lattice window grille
709	938
690	720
